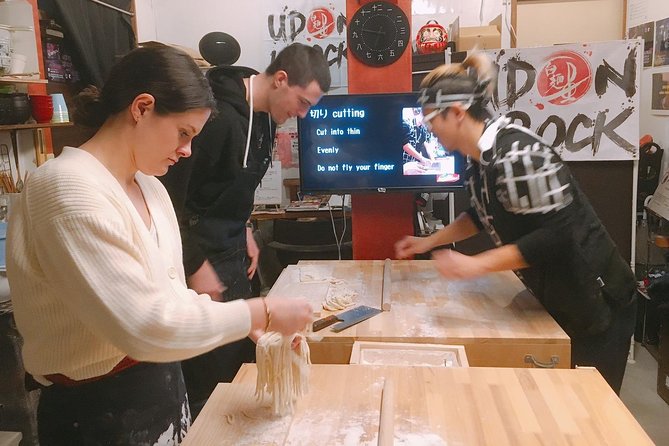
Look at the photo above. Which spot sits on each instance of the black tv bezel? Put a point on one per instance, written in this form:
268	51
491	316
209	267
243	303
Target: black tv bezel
342	191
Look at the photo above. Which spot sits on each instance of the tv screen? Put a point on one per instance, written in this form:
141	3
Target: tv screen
373	142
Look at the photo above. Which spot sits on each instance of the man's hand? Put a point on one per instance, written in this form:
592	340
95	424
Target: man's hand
455	265
205	281
253	252
409	246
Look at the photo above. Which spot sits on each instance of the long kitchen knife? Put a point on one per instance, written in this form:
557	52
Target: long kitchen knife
346	319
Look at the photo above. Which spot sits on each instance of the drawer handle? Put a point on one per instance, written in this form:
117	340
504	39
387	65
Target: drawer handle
529	359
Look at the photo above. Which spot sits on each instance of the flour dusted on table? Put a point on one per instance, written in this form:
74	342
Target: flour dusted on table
283	373
313	273
339	296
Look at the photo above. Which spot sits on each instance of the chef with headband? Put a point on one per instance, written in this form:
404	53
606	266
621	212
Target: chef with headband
525	197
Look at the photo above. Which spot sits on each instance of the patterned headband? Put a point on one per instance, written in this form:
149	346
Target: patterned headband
434	97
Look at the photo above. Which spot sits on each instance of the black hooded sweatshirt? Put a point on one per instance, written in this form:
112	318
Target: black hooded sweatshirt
211	191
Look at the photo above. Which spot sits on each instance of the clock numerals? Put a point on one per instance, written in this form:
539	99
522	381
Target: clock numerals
378	33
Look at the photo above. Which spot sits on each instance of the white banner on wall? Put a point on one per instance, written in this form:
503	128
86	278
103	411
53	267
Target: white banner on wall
581	98
320	23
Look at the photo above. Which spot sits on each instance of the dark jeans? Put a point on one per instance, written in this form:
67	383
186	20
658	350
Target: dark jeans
608	351
134	407
204	372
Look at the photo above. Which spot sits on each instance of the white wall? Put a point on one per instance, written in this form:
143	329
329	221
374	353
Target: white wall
639	12
185	22
548	22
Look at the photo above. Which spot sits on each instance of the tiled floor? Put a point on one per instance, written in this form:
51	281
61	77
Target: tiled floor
639	393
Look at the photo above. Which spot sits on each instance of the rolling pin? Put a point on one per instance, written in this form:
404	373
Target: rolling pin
387	413
385	286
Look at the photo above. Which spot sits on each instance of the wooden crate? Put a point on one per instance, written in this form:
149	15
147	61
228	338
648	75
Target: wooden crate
406	354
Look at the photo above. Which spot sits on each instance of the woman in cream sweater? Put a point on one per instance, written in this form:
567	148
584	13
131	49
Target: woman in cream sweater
95	266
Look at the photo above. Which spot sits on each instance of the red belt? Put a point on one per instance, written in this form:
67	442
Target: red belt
63	380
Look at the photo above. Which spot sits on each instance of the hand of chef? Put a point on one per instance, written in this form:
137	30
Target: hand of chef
409	246
454	265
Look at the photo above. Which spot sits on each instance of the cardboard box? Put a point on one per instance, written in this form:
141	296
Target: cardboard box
478	37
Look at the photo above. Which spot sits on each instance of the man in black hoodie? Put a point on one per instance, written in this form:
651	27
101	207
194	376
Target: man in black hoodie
213	190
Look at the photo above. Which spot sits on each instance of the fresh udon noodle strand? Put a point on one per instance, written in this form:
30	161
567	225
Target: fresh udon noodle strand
283	373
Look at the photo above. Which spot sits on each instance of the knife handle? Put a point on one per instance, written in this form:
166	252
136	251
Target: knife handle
325	322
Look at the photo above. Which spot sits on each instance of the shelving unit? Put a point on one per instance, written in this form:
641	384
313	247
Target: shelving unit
14	127
21	80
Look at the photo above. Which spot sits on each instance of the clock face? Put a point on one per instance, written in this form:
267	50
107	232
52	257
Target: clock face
378	33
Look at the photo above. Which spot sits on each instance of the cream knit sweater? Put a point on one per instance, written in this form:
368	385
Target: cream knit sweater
90	285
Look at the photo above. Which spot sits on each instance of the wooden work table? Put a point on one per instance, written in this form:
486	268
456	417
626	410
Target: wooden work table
498	321
430	406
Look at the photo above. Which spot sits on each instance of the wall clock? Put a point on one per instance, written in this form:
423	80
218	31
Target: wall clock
378	33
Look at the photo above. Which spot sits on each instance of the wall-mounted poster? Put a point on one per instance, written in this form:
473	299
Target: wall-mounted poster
662	42
645	31
660	94
320	24
583	99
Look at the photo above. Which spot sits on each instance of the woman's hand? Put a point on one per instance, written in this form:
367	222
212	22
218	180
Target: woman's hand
409	246
286	315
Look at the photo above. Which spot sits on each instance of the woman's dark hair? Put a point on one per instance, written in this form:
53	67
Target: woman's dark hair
303	64
166	73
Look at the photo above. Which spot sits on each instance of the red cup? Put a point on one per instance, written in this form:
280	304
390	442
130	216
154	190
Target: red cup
41	107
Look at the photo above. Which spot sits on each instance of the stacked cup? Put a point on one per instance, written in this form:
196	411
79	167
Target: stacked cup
60	113
41	106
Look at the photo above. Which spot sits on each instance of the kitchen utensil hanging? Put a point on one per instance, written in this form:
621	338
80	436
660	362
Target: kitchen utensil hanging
15	149
6	177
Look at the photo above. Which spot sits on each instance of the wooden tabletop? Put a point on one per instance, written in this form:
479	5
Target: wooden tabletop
427	308
431	406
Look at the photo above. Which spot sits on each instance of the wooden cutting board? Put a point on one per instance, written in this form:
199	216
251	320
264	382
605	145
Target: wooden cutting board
432	406
495	317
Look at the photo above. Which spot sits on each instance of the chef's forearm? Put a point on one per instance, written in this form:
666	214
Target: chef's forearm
504	258
462	228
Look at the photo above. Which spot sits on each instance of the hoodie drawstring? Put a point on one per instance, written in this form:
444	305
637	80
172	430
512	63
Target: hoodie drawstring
248	134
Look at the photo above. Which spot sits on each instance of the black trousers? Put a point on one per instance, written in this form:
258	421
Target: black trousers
204	372
144	404
608	351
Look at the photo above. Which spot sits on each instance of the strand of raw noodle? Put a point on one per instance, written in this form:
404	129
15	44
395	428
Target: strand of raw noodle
282	372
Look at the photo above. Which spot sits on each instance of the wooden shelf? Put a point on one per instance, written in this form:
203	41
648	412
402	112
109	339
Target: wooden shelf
21	80
35	126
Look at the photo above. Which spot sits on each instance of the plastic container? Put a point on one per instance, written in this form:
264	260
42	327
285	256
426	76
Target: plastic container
17	64
5	48
18	16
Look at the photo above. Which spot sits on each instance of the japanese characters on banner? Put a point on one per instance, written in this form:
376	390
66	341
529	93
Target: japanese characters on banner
318	23
581	98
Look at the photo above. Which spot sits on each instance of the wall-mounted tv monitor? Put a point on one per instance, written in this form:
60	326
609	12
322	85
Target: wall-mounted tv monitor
373	142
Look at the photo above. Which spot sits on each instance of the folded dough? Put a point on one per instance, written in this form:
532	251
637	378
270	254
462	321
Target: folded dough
339	296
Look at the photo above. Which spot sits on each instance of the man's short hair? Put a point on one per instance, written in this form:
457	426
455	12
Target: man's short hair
303	64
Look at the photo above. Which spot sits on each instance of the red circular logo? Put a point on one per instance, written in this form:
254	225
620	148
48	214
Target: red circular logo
320	23
565	78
